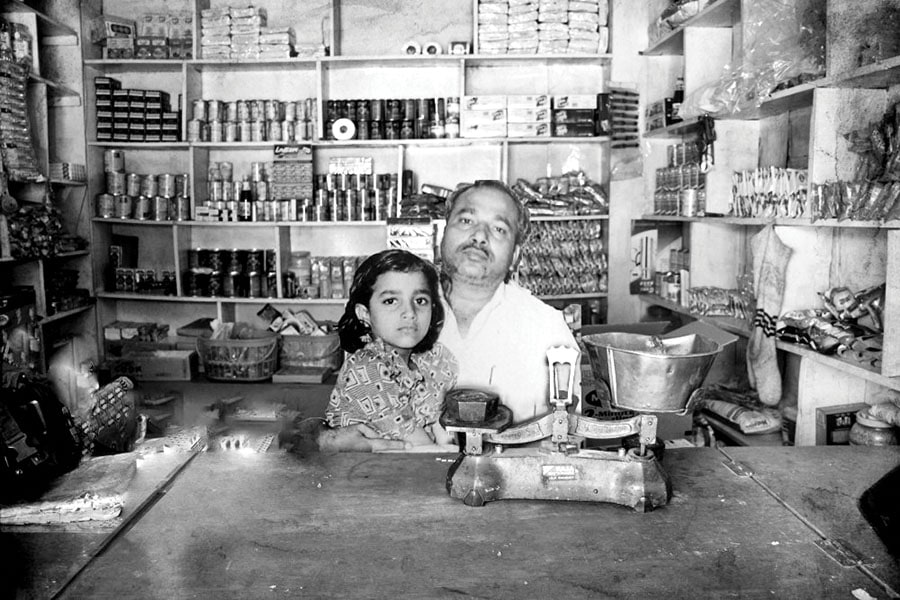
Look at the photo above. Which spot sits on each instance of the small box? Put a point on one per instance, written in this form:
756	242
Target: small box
107	27
529	101
574	130
528	115
482	117
833	423
575	101
483	102
485	130
574	115
520	130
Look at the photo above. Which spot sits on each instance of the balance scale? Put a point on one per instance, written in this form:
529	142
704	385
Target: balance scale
644	374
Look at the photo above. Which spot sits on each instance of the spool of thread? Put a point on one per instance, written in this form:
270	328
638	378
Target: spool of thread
343	129
433	48
412	48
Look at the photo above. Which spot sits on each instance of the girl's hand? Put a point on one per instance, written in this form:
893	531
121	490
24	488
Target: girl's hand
441	436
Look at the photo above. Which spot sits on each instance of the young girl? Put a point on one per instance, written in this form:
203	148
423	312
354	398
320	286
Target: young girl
392	385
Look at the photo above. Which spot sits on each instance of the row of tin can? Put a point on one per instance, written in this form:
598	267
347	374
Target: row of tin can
143	208
168	185
231	273
404	109
254	110
251	131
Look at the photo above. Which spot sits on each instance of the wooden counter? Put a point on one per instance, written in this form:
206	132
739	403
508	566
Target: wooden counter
382	526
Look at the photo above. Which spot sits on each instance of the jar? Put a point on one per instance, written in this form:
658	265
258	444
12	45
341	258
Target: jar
301	267
867	431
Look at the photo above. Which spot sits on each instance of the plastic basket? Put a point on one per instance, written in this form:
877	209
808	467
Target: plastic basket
312	351
239	360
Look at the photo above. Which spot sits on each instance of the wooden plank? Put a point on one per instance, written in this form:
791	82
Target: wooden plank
890	365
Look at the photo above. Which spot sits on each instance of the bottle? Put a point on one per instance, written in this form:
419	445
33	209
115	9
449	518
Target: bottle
245	201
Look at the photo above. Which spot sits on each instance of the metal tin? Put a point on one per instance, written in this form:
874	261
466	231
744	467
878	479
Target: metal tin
166	184
216	193
195	130
257	131
215	131
183	184
226	169
133	184
392	130
106	206
123	207
257	171
199	110
257	110
290	111
394	110
271	259
245	131
193	258
149	186
228	283
274	132
273	110
113	160
160	208
243	111
231	131
375	130
269	286
235	260
214	259
261	190
115	183
182	208
141	206
231	111
254	284
287	131
309	109
214	287
213	172
214	110
376	110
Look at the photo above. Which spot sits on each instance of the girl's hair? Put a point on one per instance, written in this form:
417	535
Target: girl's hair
353	332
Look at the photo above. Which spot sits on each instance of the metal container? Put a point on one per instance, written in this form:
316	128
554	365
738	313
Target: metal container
648	373
123	207
106	206
868	431
113	161
116	183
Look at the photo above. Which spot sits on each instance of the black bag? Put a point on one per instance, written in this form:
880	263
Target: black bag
39	439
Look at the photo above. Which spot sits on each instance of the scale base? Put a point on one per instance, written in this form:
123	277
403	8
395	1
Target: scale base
638	482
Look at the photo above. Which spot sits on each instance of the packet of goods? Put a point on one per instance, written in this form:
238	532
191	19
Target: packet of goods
528	18
492	8
300	323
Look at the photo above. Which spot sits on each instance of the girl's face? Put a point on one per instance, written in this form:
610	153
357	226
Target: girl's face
399	311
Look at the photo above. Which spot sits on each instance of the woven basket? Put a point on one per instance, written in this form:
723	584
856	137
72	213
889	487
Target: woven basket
239	360
312	351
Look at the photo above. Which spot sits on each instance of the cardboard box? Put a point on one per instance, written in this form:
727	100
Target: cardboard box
833	423
575	101
483	102
518	130
159	365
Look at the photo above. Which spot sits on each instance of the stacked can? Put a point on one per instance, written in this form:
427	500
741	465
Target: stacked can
228	200
252	121
681	187
233	273
392	119
347	197
164	197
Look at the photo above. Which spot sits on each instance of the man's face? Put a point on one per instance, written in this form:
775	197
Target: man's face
479	243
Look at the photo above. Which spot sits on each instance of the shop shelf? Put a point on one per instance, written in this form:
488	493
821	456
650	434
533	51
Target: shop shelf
722	13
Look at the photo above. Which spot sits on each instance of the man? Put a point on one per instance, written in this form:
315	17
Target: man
498	331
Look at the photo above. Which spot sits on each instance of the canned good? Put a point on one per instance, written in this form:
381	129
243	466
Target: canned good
271	259
243	111
228	283
195	130
214	110
290	111
287	131
394	110
133	184
231	131
199	110
254	284
216	191
257	110
376	110
166	184
123	207
215	131
183	184
214	259
113	160
193	258
257	171
257	131
106	206
272	110
227	170
182	208
309	109
274	132
160	208
213	172
244	131
149	186
261	190
116	183
141	208
231	111
269	284
214	287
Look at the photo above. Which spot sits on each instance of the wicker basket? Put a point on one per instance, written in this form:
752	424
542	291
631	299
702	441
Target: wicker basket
312	351
241	359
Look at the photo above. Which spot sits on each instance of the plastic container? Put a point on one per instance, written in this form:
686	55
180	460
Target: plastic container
250	359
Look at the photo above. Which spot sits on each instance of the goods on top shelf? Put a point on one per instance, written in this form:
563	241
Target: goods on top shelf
543	26
19	158
157	36
134	115
253	120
